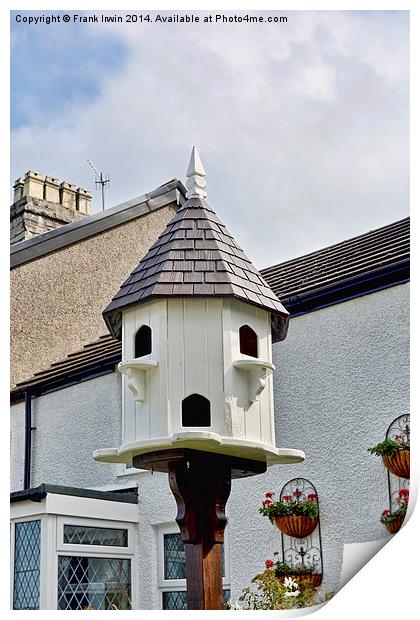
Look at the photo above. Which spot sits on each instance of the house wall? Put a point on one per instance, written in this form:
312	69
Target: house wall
342	376
57	301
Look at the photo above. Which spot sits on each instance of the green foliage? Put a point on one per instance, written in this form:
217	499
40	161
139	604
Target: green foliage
401	511
389	447
293	507
270	592
284	570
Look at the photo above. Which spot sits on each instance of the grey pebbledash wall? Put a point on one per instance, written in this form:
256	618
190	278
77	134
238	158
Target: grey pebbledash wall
342	375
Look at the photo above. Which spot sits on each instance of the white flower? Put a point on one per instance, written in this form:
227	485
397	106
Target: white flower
295	593
290	583
234	604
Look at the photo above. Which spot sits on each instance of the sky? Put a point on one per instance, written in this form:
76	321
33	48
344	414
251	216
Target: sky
303	127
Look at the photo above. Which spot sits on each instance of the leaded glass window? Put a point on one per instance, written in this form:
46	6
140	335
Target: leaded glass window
174	600
94	583
86	535
178	599
27	565
174	557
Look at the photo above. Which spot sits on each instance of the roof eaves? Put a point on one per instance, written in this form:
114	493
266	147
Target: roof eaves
37	494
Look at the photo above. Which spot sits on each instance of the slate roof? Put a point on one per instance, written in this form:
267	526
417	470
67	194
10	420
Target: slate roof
373	251
94	359
194	256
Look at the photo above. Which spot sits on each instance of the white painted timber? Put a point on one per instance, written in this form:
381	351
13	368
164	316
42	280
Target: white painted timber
196	176
196	350
136	372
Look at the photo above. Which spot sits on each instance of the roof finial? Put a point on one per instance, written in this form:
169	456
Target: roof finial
196	177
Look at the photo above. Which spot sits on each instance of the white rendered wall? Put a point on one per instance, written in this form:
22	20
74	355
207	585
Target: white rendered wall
341	377
69	425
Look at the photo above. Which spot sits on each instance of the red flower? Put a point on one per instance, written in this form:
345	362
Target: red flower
385	512
297	493
312	497
267	502
269	563
270	494
404	493
287	498
397	437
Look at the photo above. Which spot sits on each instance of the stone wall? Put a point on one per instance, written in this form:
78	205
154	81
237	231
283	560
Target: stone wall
42	203
57	299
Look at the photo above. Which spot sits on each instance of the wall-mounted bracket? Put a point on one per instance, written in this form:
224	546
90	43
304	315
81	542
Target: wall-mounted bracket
136	371
258	371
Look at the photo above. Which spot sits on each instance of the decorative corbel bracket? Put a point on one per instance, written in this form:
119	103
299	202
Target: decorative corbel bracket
258	371
135	370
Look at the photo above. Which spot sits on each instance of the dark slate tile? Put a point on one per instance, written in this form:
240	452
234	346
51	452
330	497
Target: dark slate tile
204	265
186	223
252	296
178	234
170	276
195	234
217	276
206	245
223	289
223	266
194	276
176	254
183	245
183	265
163	289
183	289
202	255
238	271
203	289
212	234
167	265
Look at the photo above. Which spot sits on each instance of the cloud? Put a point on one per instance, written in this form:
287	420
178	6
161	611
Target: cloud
303	127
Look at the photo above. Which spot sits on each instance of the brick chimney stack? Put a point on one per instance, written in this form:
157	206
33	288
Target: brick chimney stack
42	203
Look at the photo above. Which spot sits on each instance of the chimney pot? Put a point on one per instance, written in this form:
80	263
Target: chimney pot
83	200
33	184
52	189
18	189
68	195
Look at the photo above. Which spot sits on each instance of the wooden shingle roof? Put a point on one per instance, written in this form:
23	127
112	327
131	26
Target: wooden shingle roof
194	256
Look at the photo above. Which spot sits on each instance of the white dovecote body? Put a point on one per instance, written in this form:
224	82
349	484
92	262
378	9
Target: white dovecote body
196	321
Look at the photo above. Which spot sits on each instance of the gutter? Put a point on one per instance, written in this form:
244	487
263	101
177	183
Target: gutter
349	288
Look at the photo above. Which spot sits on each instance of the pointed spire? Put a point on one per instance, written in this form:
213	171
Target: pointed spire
196	177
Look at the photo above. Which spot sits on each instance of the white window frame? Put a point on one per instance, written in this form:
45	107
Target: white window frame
13	523
56	510
95	551
180	585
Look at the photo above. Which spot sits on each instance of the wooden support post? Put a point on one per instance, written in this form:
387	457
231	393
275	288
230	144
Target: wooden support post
201	482
201	486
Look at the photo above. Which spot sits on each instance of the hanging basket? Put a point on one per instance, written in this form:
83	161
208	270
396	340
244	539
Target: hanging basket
394	526
308	580
305	580
398	464
297	526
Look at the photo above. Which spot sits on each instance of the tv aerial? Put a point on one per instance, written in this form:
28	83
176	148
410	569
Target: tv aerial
100	181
